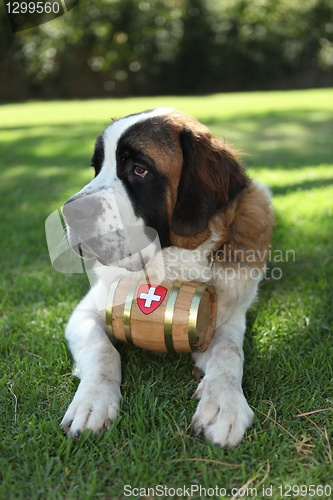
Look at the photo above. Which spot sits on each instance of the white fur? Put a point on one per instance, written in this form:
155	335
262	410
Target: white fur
222	413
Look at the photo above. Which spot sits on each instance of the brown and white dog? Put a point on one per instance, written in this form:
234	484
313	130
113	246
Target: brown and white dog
163	170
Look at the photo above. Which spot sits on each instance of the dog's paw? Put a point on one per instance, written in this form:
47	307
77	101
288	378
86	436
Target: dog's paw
94	407
222	414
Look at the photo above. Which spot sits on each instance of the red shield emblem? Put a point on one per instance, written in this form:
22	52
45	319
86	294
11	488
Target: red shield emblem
150	297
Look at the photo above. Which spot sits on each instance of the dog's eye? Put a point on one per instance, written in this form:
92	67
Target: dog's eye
140	171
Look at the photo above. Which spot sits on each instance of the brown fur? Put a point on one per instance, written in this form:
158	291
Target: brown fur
244	230
243	227
216	163
224	169
189	242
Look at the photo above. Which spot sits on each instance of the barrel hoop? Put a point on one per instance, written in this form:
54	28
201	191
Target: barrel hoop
193	316
127	312
109	307
210	331
168	316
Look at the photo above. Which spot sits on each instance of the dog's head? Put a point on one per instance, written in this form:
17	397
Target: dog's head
158	174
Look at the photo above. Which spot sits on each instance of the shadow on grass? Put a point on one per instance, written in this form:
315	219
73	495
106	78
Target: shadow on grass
305	185
272	139
294	311
289	328
53	161
37	145
42	167
277	139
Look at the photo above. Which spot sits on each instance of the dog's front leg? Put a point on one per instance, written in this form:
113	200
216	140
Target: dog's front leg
223	413
97	398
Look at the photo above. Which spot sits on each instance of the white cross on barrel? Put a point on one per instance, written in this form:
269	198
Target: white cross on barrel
150	297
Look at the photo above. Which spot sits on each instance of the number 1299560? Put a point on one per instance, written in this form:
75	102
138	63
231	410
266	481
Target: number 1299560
304	490
54	7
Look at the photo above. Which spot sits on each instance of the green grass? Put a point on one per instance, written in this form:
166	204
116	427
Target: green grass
45	150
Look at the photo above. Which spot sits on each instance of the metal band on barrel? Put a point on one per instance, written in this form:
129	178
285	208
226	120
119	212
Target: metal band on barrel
193	317
109	307
168	316
127	312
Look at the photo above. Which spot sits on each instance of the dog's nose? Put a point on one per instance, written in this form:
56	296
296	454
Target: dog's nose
79	210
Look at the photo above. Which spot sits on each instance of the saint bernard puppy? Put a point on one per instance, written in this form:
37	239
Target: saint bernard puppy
163	170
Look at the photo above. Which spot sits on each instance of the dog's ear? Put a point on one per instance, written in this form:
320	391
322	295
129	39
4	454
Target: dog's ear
211	177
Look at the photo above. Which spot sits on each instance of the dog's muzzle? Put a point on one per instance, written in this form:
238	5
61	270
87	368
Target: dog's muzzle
96	229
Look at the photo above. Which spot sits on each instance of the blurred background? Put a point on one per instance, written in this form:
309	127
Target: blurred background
111	48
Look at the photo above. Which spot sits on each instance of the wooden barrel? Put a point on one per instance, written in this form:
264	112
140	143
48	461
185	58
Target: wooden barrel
169	317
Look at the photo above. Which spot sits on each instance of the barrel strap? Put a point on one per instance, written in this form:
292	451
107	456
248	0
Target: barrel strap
193	316
127	312
109	307
168	316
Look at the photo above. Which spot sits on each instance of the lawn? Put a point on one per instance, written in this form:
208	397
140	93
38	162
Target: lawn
45	149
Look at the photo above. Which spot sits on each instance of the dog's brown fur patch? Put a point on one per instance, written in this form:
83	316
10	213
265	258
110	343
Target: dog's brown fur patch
243	231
